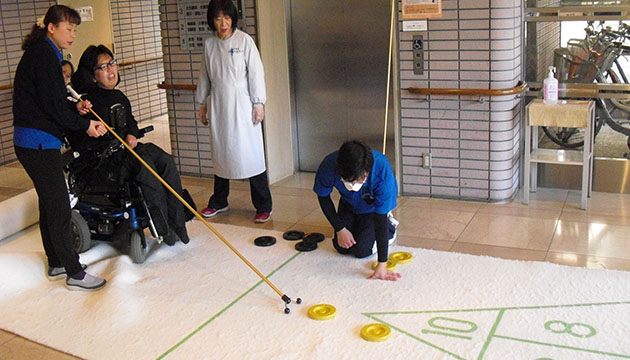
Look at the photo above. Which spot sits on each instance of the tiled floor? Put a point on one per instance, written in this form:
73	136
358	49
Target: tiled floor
13	181
552	228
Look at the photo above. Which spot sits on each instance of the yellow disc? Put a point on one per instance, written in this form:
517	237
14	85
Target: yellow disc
401	257
375	332
391	265
322	312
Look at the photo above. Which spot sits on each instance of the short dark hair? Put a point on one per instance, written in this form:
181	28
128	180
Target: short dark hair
226	7
83	78
354	160
55	15
66	62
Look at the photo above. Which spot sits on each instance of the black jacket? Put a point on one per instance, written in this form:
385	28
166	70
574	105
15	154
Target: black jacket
115	109
39	93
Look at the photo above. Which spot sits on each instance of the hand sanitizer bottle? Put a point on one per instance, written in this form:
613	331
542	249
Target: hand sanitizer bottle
550	88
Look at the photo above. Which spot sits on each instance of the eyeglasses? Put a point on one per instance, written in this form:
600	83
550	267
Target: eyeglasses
108	65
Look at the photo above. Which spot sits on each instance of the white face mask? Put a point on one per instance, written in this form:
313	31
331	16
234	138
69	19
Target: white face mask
352	186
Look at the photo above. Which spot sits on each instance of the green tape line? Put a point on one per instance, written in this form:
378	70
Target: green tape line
187	337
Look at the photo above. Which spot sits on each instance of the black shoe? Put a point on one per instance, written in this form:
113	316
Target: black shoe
182	234
188	215
171	238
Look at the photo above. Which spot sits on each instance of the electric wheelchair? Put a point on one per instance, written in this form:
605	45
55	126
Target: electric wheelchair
110	205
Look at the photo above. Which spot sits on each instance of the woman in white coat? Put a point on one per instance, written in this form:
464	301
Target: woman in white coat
232	85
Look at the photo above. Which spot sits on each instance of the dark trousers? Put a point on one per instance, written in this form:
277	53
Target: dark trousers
154	192
45	168
258	185
362	228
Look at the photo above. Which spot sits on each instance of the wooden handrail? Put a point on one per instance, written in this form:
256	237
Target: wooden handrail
518	89
586	8
191	87
133	62
422	91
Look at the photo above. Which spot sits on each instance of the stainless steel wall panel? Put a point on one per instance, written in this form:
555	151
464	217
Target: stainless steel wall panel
609	175
339	69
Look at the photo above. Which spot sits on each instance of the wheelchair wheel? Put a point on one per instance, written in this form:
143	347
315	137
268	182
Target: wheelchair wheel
81	237
138	247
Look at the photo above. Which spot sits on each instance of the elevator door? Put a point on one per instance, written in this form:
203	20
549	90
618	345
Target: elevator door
339	69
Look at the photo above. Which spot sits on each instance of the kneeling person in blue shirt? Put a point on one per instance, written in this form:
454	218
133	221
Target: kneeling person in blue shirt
368	192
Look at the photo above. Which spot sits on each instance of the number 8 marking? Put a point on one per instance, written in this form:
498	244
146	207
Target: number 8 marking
568	328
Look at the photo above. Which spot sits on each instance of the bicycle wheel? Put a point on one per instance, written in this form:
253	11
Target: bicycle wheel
620	104
620	126
566	137
571	138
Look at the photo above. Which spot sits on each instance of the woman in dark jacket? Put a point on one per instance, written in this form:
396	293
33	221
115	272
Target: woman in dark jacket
97	77
41	116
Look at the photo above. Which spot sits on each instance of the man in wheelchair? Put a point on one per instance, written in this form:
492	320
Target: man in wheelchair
105	173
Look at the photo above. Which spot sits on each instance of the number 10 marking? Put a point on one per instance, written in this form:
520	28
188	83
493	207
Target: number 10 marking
469	327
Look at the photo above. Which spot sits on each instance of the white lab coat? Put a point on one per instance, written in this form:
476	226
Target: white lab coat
231	81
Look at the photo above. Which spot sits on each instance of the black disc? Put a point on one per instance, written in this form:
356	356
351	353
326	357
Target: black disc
265	241
293	235
305	246
315	237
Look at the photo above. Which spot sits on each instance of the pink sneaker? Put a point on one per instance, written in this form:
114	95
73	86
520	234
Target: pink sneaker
210	212
262	217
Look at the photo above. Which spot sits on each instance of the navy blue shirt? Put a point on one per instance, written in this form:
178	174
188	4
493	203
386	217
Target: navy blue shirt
378	194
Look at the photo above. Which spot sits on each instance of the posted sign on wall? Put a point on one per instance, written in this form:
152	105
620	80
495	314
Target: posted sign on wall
193	24
421	9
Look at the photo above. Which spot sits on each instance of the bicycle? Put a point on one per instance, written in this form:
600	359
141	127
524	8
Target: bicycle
591	60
